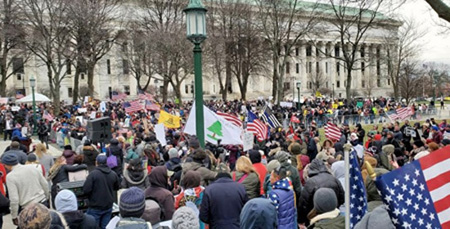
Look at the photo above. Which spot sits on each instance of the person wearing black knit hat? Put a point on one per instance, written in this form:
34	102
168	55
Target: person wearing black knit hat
325	213
131	208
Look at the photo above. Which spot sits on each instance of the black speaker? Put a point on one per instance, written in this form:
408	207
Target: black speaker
77	188
99	130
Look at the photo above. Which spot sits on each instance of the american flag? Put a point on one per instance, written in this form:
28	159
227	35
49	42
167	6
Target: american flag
118	95
19	95
418	194
145	96
231	118
358	199
133	106
270	118
332	132
151	106
47	116
401	113
259	128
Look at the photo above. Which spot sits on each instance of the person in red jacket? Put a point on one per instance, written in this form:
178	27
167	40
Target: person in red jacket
2	190
255	157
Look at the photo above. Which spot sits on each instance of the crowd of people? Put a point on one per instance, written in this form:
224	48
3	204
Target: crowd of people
293	179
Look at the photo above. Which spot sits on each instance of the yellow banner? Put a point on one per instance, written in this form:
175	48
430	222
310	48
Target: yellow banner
169	121
318	94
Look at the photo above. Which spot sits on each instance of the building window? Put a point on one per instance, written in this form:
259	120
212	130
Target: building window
326	84
68	67
82	76
297	68
338	84
363	84
338	68
326	52
126	67
186	89
340	95
317	67
389	82
363	67
126	88
125	47
296	51
287	86
378	68
309	50
70	92
192	88
363	53
18	65
19	76
345	83
378	82
108	66
336	51
378	53
326	67
288	67
310	85
317	52
309	67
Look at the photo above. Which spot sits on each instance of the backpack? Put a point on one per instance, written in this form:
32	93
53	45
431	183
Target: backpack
154	212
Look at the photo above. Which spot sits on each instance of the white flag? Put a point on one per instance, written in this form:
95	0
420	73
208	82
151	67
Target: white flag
216	128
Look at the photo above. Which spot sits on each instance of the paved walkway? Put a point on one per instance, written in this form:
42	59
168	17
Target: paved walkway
7	221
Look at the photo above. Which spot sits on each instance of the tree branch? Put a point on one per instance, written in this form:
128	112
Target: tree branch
442	9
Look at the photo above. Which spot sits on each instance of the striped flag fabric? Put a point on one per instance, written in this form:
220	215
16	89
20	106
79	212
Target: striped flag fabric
400	113
19	95
358	197
133	106
47	116
151	106
270	118
145	96
231	118
118	95
418	194
332	131
259	128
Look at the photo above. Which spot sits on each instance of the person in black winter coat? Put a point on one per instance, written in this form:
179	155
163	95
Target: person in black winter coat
59	172
66	204
220	212
311	146
318	177
101	188
115	149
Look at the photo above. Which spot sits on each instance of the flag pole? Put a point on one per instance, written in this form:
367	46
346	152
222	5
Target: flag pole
347	188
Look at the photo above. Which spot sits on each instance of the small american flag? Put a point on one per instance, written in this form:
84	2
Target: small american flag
358	199
47	116
259	128
151	106
231	118
19	95
133	106
270	118
418	194
401	113
118	95
332	132
145	96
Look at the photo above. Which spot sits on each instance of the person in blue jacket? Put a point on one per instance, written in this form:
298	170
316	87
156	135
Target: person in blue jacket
282	196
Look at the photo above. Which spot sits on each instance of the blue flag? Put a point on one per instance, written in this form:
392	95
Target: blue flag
358	197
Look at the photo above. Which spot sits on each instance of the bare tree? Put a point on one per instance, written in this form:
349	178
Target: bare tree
317	79
400	47
284	24
369	86
94	31
12	42
351	21
441	8
49	40
410	80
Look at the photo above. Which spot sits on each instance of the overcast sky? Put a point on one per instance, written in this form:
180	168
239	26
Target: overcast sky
436	45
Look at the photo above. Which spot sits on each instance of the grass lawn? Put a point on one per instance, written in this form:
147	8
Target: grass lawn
367	128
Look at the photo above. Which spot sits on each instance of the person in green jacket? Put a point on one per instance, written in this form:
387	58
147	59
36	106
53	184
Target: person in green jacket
246	175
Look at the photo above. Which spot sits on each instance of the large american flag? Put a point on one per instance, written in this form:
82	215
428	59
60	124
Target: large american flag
259	128
151	106
270	118
401	113
418	194
47	116
358	198
145	96
133	106
118	95
231	118
332	132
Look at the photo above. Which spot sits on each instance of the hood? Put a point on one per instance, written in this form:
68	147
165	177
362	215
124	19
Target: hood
338	169
315	167
68	153
388	149
135	177
74	219
104	169
259	213
284	184
158	177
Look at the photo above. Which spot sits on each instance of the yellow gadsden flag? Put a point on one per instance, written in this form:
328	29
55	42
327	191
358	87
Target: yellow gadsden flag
169	121
318	94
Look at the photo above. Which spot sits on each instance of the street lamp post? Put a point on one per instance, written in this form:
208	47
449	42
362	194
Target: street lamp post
33	85
298	95
196	33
